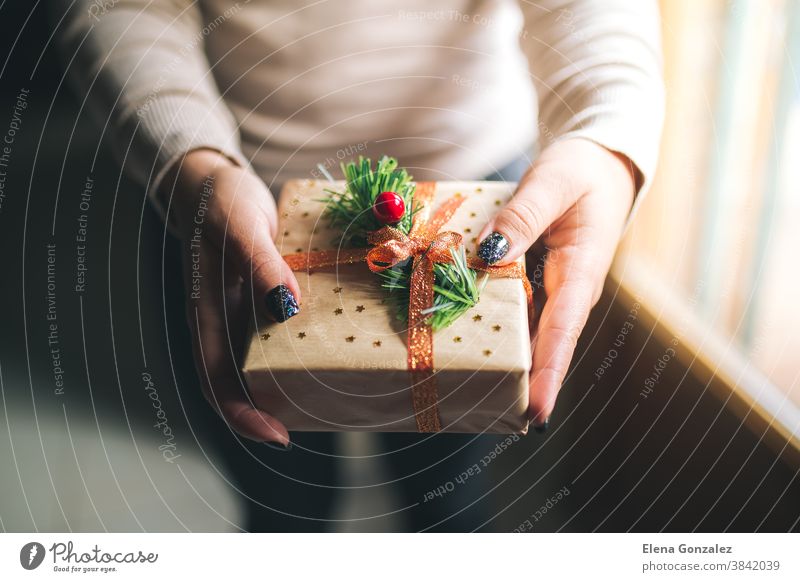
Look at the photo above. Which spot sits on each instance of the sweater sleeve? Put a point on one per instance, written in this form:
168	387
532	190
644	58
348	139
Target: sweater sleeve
596	66
142	69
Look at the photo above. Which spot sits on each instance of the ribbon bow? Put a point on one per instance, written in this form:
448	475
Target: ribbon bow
427	246
392	246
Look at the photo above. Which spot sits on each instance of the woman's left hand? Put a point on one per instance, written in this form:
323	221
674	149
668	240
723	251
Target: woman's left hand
576	198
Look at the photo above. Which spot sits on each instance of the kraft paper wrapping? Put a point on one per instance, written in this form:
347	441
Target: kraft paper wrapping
340	364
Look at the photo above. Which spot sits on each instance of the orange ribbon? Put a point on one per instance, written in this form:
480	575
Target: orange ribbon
427	246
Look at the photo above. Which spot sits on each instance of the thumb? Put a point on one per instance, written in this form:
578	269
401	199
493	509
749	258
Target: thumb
274	286
537	203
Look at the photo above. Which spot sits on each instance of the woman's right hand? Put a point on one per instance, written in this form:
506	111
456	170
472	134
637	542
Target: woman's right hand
227	219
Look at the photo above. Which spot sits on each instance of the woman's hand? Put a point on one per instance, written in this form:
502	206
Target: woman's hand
226	218
576	198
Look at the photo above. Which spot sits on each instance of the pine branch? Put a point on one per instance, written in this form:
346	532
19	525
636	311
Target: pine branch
456	289
350	212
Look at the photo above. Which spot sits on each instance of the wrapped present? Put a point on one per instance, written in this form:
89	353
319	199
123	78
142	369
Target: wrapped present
347	362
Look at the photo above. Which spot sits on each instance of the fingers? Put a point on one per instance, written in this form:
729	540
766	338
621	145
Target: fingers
215	300
575	199
539	202
275	288
245	238
571	293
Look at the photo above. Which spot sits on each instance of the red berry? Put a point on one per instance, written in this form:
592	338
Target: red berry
388	208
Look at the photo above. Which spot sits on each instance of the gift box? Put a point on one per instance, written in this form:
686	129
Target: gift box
342	363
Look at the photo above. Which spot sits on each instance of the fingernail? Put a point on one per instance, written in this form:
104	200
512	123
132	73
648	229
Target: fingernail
281	303
493	248
278	446
542	427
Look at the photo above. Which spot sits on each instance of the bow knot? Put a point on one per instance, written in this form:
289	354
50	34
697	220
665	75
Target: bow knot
391	246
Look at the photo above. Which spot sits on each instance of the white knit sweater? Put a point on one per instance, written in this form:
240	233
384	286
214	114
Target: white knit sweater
454	89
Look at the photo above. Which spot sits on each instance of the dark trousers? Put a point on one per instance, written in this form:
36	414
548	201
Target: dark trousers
298	490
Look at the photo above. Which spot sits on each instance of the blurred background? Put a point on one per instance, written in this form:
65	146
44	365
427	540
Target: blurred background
689	422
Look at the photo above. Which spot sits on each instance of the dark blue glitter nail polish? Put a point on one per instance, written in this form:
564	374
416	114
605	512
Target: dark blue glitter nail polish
540	428
493	248
281	303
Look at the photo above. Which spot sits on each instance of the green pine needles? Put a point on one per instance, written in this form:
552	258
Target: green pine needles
455	290
350	211
456	286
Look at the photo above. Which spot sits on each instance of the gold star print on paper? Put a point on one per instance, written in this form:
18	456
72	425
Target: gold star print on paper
473	214
497	202
338	311
360	308
457	339
478	189
467	230
337	289
496	327
350	339
301	335
265	336
477	317
487	353
376	344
